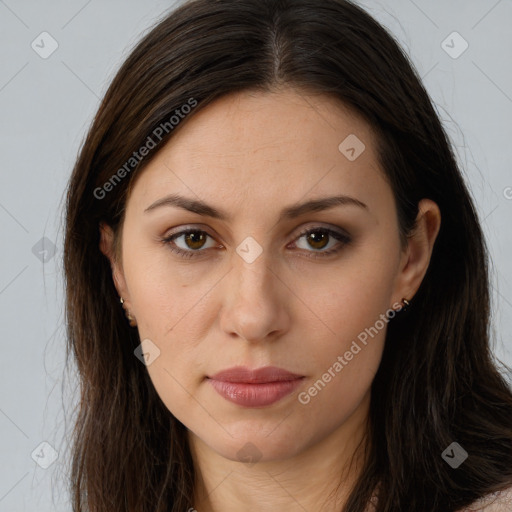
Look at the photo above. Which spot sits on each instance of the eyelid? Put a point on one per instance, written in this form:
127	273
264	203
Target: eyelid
315	226
338	233
183	230
306	229
342	237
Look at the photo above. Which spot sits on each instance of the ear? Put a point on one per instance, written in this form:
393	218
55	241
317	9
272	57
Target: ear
416	256
108	249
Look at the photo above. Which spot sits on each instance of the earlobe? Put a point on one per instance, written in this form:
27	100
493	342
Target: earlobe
108	249
419	250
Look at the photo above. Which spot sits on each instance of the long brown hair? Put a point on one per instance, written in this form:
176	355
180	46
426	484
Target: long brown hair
437	382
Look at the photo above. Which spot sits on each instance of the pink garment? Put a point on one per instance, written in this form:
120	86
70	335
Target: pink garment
495	502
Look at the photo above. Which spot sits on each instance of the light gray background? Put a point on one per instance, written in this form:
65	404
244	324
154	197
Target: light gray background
46	106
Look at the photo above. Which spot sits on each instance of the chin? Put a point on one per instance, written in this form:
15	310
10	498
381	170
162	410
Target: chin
250	443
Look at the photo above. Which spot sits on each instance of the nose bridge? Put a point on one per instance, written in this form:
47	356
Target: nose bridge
253	273
255	306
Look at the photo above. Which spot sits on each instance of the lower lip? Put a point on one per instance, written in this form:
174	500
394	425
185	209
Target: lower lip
254	395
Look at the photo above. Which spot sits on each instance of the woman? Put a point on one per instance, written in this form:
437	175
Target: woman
268	195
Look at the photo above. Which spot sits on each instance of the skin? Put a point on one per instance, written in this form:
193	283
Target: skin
252	154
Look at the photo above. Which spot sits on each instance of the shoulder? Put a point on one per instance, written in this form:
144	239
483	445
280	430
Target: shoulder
495	502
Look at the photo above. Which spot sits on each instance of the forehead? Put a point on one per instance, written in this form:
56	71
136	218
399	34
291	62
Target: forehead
261	147
287	123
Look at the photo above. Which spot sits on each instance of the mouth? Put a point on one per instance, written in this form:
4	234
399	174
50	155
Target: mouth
255	388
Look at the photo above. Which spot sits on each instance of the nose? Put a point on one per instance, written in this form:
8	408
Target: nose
256	301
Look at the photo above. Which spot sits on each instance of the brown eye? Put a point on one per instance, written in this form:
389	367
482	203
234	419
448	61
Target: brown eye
317	239
320	238
195	239
192	244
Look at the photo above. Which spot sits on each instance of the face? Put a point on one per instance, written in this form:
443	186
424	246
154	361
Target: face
258	278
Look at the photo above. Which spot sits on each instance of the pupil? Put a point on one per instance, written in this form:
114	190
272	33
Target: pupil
195	238
316	239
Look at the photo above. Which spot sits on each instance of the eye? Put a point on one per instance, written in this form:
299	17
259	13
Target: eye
319	238
194	240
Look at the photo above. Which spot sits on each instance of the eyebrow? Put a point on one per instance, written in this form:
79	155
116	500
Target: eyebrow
290	212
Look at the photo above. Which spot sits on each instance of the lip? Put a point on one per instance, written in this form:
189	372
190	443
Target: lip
254	388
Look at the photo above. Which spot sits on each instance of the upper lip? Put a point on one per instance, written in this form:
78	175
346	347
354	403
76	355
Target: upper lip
259	375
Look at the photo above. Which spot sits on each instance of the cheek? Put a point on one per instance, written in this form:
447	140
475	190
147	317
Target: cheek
353	296
344	361
175	312
355	310
348	356
174	382
167	295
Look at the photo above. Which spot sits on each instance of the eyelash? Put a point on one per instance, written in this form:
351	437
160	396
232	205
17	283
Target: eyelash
342	238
